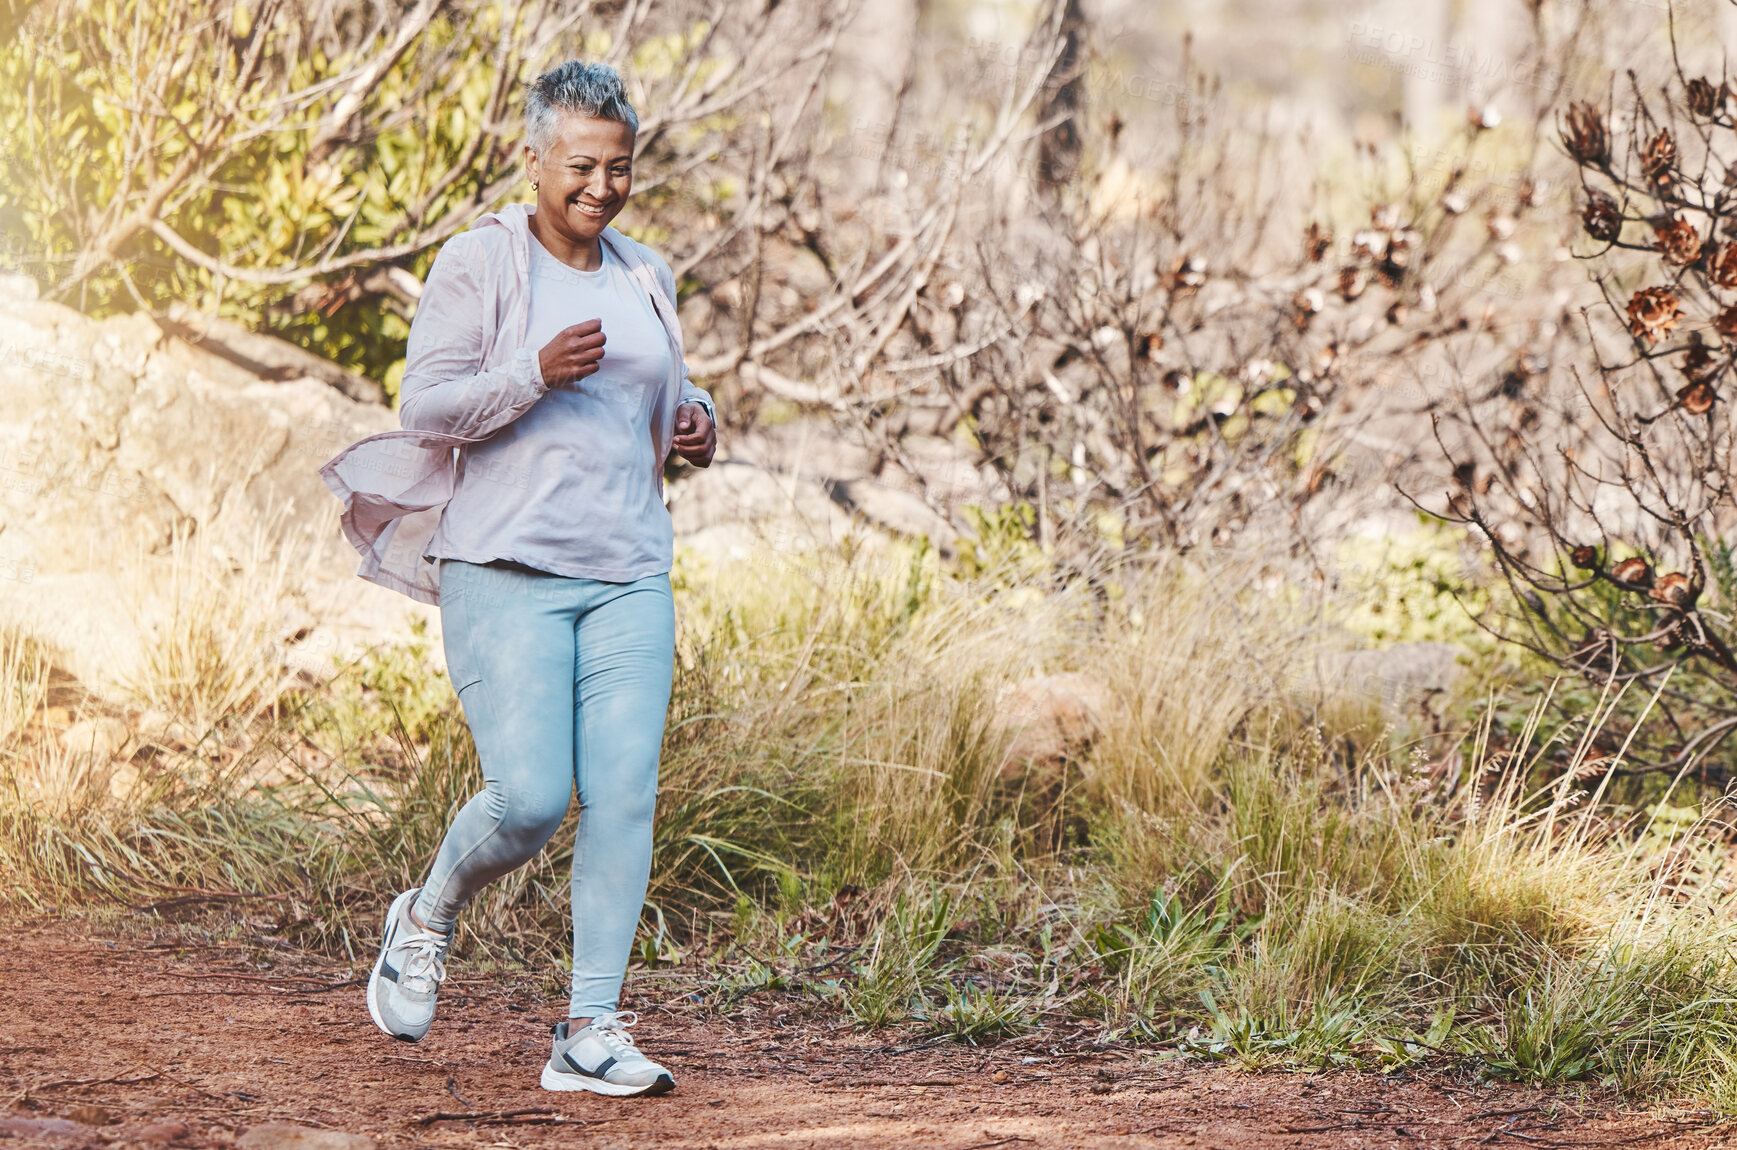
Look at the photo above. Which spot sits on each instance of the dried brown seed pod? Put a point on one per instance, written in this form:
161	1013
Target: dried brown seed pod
1633	573
1704	99
1675	590
1370	244
1585	557
1187	273
1316	241
1352	281
1659	158
1725	323
1652	312
1601	217
1697	398
1678	242
1699	363
1585	135
1722	264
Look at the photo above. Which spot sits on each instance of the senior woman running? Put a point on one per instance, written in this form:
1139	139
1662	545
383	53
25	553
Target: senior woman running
543	392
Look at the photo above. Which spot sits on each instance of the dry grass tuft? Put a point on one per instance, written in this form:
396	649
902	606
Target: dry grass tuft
1212	871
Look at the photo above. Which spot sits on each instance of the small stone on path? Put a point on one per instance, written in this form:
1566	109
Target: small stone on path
43	1128
277	1136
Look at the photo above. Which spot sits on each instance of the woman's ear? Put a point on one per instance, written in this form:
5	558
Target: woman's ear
533	170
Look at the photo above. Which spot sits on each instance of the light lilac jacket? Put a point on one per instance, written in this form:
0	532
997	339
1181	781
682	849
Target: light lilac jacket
395	485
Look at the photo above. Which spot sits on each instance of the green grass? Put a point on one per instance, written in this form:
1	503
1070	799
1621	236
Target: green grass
1215	876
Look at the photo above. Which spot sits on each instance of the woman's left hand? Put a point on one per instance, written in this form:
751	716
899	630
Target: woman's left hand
695	437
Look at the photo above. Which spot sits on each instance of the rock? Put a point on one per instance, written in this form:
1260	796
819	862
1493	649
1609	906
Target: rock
1050	719
951	472
116	439
16	286
793	487
1400	676
897	511
101	738
155	1133
278	1136
737	510
45	1128
804	447
90	1114
266	356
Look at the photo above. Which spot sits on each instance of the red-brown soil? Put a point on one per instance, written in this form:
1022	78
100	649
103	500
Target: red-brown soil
126	1040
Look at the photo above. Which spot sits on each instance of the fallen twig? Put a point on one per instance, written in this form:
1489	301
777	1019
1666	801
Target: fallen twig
326	989
117	1080
490	1116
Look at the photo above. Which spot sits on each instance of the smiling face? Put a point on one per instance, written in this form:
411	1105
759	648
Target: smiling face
583	178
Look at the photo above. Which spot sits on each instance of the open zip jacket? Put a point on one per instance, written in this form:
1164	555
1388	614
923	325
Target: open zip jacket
467	374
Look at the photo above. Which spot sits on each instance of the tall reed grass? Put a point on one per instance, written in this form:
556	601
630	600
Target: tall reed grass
1217	873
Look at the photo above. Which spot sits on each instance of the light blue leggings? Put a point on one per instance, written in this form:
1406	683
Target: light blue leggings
564	682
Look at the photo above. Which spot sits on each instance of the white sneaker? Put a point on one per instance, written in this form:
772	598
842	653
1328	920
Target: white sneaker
602	1058
407	976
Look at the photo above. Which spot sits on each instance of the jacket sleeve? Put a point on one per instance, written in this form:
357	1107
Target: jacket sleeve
445	389
690	393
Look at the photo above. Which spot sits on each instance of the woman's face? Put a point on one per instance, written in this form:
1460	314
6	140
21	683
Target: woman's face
583	177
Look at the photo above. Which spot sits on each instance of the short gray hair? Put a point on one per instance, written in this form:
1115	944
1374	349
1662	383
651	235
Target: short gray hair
575	87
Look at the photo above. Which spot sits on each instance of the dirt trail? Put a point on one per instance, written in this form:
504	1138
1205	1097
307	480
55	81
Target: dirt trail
199	1044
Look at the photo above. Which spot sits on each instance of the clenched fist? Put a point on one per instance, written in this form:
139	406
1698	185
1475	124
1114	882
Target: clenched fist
695	437
573	354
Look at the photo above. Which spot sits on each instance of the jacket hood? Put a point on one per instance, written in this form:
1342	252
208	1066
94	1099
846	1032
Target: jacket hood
515	218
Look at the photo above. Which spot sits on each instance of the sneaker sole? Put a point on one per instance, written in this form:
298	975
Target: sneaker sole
374	975
555	1080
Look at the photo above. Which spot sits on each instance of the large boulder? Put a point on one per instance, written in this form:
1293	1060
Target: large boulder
140	475
736	510
788	488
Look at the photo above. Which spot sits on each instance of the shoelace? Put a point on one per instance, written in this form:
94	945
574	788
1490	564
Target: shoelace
612	1030
424	967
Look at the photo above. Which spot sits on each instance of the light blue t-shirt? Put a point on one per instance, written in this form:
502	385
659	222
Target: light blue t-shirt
580	467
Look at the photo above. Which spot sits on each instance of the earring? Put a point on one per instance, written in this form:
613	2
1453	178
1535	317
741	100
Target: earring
533	185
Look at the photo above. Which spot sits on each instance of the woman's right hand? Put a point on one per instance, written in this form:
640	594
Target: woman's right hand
573	354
